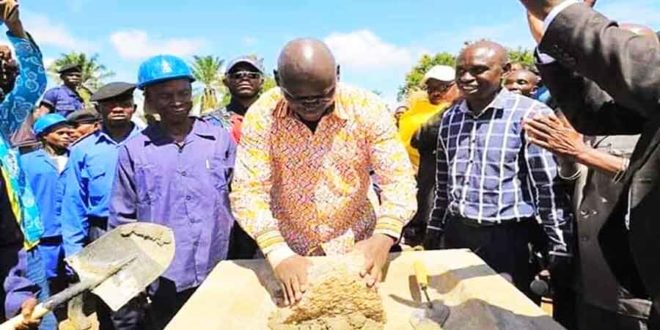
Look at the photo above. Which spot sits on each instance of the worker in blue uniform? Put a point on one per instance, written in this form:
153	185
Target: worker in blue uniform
43	169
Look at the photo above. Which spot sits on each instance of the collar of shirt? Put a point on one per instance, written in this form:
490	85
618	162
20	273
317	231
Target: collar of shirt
102	136
155	134
282	110
50	159
236	107
71	92
497	103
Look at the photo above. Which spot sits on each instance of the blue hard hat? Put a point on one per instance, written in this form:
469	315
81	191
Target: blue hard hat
161	68
45	122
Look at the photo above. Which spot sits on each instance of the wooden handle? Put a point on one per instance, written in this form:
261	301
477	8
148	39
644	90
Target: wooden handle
39	312
421	273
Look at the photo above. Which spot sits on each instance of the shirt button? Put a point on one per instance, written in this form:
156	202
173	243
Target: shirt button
584	212
584	238
188	198
184	173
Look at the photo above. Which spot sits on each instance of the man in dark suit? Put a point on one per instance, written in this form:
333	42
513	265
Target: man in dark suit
622	97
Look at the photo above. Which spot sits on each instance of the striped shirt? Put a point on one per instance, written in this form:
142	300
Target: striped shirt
488	172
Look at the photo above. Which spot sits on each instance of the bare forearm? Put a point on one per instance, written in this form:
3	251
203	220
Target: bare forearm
16	28
42	110
601	161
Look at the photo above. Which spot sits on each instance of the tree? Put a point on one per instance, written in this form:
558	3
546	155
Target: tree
93	72
523	56
414	77
207	71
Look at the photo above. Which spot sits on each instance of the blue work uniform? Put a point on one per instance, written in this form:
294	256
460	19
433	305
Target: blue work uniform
88	178
44	176
63	100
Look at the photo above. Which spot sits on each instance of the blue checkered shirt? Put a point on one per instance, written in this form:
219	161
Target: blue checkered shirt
488	172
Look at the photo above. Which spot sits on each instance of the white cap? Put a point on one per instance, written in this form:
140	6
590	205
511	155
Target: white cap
440	72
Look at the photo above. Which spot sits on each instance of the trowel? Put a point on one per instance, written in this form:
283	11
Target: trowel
433	314
116	267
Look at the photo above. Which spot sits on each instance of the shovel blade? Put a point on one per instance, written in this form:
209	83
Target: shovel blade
149	247
430	317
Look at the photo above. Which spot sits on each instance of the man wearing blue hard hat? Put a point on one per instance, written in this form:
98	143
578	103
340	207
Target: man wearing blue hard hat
88	179
42	169
176	173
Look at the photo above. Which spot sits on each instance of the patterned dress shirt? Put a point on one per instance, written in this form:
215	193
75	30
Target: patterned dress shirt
309	189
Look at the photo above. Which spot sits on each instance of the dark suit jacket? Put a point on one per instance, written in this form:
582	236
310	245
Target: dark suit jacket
627	67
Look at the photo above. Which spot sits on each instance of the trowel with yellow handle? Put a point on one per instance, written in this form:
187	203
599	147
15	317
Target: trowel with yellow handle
116	267
433	314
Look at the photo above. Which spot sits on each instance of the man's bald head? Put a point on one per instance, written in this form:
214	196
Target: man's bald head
479	70
306	60
487	48
307	76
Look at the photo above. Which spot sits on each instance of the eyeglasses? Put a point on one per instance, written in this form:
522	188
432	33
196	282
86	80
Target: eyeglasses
327	96
440	89
244	74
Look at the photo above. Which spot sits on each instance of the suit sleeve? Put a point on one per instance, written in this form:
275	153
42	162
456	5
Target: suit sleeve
623	64
587	106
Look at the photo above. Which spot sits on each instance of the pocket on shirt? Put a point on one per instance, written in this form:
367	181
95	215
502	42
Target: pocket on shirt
219	167
149	181
95	172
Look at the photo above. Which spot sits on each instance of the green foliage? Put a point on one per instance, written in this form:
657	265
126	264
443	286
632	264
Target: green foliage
93	72
523	56
414	77
207	71
416	74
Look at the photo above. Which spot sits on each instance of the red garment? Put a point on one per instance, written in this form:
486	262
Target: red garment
236	124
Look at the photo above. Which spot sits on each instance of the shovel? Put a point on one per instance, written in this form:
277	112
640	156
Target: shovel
116	267
433	314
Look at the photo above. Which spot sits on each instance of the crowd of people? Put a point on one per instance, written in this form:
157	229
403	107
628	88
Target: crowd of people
548	173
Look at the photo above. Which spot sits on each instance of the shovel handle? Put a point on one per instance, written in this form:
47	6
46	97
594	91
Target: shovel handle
39	312
52	302
421	273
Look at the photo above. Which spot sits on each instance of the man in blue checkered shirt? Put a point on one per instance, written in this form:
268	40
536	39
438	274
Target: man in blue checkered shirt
492	186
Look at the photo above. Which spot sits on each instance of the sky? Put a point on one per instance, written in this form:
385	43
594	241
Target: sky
375	41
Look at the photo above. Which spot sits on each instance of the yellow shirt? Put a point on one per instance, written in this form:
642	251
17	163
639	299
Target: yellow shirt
421	110
303	189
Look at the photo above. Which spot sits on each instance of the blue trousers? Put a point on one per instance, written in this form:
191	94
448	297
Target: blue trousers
36	273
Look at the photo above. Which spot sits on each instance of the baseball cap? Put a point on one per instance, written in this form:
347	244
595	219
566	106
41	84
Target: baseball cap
248	59
440	72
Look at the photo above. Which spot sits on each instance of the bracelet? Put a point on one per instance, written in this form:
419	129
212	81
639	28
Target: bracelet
625	163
